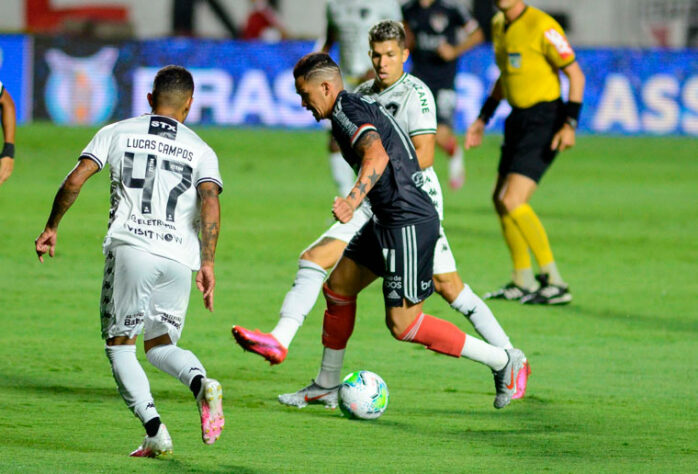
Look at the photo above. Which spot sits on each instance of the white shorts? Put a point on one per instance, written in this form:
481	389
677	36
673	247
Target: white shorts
444	262
345	232
142	291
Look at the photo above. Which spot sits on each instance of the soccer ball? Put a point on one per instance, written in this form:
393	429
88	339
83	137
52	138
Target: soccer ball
363	395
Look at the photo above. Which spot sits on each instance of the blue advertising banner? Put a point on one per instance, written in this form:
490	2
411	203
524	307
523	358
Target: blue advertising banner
251	84
16	72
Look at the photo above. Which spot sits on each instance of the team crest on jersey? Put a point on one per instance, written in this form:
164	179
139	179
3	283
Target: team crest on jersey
418	178
438	22
81	90
515	60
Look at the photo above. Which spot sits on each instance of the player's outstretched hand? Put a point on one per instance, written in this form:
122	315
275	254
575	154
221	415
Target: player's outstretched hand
45	242
473	137
563	139
206	282
342	210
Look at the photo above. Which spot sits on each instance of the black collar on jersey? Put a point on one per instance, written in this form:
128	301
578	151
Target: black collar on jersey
507	24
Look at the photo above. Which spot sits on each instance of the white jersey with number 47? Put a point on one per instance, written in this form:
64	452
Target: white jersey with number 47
156	164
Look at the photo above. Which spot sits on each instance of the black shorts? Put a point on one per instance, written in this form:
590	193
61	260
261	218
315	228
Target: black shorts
403	256
446	100
528	134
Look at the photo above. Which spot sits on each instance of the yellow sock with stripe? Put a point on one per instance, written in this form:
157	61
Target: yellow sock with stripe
518	248
534	233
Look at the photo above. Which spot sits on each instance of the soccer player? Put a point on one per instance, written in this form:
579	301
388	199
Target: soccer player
530	48
348	22
396	244
9	123
412	104
441	31
164	190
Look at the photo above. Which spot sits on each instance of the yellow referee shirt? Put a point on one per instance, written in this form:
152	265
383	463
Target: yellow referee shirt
529	52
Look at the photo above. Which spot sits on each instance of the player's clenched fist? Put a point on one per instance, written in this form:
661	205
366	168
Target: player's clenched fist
342	210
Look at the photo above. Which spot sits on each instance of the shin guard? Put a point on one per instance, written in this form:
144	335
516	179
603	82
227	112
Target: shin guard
436	334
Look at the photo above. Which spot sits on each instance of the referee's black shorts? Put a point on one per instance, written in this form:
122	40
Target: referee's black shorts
403	256
528	134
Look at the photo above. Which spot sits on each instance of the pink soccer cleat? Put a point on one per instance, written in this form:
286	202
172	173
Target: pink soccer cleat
210	402
260	343
521	380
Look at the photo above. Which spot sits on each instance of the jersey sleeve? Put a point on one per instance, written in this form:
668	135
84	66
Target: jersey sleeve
353	119
555	47
98	148
421	112
207	171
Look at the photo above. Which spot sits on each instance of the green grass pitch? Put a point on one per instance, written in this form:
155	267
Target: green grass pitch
614	382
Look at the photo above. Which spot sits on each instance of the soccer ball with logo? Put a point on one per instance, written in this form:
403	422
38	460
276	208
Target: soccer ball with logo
363	395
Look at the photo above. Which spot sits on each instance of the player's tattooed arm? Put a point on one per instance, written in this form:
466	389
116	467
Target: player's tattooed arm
210	221
69	191
374	160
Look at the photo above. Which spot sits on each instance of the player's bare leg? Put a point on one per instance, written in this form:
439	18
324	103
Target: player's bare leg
448	142
299	301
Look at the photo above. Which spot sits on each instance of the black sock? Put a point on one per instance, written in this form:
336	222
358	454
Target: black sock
195	385
152	426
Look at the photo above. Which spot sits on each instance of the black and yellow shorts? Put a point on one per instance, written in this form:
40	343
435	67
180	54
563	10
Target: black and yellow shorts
528	134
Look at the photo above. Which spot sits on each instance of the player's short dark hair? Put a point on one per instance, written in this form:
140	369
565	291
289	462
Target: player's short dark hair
315	63
173	83
387	30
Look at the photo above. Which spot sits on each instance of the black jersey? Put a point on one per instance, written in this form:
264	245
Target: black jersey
396	199
438	23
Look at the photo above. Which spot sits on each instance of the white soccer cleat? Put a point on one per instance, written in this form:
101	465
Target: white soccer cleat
313	394
155	446
210	402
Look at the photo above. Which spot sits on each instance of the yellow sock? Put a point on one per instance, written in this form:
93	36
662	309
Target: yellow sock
533	232
518	248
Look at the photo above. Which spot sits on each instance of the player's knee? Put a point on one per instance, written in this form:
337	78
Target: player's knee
448	285
509	202
498	204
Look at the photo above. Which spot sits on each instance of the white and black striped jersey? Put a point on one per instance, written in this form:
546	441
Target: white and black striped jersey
350	21
156	164
414	109
396	198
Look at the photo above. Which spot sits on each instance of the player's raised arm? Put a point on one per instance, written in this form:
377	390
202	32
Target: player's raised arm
65	197
374	159
9	123
210	227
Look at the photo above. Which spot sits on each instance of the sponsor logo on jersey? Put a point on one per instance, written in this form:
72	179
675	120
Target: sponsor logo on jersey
515	60
418	178
393	282
163	127
559	42
393	295
425	285
132	320
81	90
171	319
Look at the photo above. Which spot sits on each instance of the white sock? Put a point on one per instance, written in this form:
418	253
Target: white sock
299	300
456	162
481	317
524	278
132	382
342	174
331	368
493	357
179	363
553	273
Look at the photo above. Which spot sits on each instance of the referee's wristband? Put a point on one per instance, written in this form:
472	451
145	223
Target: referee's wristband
8	150
488	109
572	110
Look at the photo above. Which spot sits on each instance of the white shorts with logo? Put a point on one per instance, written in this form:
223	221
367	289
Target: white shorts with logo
143	292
